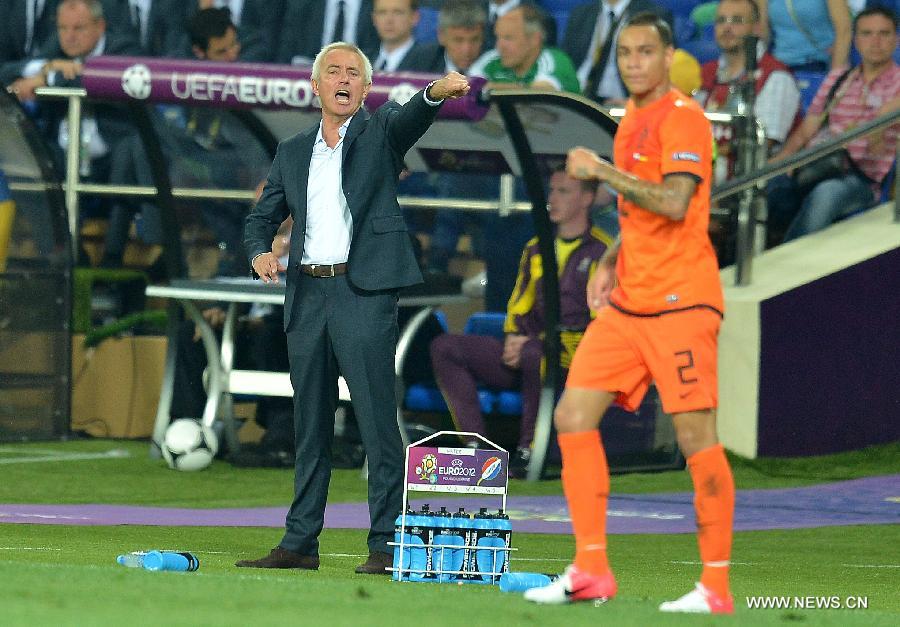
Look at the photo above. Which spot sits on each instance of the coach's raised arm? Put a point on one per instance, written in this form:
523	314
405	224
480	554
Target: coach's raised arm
350	253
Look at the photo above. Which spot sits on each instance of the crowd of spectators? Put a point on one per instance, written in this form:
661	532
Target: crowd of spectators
842	51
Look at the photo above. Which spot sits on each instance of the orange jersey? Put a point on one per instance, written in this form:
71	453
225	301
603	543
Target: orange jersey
664	264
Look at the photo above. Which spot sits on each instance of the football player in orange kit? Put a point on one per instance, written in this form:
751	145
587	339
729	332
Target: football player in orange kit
660	306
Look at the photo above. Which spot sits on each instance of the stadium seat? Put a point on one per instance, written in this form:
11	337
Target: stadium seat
679	7
808	82
426	397
562	19
426	29
559	6
685	29
702	50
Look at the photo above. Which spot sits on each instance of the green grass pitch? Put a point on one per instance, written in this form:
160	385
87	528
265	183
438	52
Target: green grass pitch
67	575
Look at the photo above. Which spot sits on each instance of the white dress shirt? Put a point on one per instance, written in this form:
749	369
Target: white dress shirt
609	86
329	225
388	61
351	17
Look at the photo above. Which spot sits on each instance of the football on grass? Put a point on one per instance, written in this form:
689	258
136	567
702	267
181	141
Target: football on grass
189	445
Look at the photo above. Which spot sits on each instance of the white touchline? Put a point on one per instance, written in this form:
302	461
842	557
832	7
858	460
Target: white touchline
67	457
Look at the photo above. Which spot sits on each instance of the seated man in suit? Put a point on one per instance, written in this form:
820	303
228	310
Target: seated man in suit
258	23
398	51
25	28
461	25
521	58
461	362
308	25
205	147
590	41
81	33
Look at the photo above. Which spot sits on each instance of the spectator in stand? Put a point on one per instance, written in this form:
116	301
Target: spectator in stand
308	25
460	37
777	94
25	28
81	33
847	98
461	362
395	20
590	41
807	35
205	147
498	8
158	25
521	58
258	24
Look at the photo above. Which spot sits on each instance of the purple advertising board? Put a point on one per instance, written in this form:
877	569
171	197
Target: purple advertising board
248	85
468	470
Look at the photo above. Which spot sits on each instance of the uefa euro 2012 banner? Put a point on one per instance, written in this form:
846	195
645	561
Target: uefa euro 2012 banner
247	85
445	469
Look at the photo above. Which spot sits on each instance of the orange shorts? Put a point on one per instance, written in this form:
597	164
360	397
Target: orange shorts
622	354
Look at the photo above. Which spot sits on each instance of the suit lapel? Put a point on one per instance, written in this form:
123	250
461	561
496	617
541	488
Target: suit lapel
357	124
307	140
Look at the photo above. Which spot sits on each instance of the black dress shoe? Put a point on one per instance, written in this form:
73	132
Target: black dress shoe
376	564
282	558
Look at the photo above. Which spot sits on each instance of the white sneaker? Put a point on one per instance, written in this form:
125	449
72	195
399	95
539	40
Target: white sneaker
574	585
700	600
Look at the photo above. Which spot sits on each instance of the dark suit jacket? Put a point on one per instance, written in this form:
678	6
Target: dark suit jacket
303	24
425	57
549	27
381	255
13	29
419	58
258	32
583	21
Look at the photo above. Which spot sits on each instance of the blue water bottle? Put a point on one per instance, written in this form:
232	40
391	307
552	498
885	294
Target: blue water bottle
487	537
463	524
135	559
417	528
504	526
448	540
171	560
520	582
398	536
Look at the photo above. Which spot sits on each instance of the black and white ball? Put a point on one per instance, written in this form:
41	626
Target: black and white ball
189	445
137	81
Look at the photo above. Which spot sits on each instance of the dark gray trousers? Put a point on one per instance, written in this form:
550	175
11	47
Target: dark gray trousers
337	328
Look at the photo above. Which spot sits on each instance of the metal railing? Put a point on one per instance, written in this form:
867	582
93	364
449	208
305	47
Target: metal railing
73	186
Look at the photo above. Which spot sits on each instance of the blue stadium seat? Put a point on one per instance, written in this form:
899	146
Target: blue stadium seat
560	6
808	82
562	19
685	29
425	397
703	50
426	29
679	7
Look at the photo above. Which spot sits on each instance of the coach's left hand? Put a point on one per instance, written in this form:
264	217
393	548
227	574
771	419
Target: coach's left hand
454	85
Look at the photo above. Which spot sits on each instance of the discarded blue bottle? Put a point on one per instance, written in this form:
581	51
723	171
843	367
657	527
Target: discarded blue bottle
520	582
171	560
135	559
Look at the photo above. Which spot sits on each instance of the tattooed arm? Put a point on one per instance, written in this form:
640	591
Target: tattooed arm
669	198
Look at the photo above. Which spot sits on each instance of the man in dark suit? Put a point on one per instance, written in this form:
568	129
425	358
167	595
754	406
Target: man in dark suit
460	41
25	27
350	253
398	51
310	24
81	34
258	24
590	42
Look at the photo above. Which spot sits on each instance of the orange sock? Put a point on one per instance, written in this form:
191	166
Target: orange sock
714	504
585	479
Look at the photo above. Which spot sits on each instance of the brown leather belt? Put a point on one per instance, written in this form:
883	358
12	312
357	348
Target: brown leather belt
320	270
